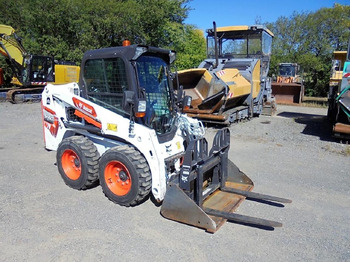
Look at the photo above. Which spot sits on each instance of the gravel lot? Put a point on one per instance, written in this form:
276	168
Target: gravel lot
289	155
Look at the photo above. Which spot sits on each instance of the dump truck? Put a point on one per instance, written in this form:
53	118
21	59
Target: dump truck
339	95
232	83
31	72
123	126
288	86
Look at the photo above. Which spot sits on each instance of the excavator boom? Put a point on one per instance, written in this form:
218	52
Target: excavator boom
11	46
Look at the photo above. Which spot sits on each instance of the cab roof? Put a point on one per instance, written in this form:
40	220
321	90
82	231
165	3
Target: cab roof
240	29
131	52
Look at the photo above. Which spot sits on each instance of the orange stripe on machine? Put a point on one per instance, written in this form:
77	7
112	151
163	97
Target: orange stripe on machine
88	119
86	108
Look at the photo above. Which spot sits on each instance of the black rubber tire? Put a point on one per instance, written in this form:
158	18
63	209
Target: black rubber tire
87	161
138	173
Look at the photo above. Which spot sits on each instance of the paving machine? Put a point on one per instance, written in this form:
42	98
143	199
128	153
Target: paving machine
232	83
288	87
31	72
339	95
123	125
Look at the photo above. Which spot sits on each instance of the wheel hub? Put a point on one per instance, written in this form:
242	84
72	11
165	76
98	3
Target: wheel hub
123	176
76	162
117	178
71	164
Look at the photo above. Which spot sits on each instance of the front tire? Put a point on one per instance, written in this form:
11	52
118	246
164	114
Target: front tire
125	176
77	161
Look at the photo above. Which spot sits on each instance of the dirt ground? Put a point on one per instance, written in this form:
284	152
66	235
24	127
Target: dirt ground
289	155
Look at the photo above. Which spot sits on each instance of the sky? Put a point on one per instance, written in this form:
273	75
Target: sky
246	12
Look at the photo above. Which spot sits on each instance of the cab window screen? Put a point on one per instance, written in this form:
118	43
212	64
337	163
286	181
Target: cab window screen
106	81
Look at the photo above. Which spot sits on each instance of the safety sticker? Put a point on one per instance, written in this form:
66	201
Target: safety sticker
112	127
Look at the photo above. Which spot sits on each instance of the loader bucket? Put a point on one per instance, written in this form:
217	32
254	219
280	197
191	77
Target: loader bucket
288	93
178	206
205	195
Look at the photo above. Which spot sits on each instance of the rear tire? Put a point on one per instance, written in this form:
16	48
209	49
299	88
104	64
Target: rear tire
125	176
77	161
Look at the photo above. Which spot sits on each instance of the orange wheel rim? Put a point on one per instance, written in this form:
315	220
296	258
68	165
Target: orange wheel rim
118	178
71	164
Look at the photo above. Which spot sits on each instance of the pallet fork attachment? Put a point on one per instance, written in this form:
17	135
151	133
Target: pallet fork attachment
210	188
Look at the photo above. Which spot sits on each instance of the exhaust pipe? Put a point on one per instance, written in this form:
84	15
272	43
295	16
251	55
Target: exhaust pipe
216	46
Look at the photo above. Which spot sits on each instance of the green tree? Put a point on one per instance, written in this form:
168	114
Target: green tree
191	48
68	28
309	39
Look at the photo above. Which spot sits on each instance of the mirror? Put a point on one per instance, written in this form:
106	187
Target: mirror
128	100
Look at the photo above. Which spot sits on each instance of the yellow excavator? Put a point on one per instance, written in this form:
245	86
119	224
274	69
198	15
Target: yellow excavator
31	73
232	83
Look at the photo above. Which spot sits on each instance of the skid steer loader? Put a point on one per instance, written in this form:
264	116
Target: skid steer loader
123	125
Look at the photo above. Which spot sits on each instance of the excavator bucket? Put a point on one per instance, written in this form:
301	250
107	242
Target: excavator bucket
210	188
